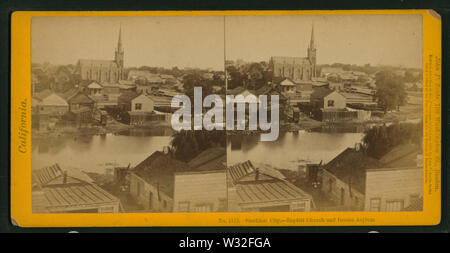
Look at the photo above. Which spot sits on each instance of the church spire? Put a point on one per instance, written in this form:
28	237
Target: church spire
312	53
119	56
311	44
119	43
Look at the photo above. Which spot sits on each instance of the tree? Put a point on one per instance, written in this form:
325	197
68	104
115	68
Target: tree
237	78
195	80
391	93
188	144
381	139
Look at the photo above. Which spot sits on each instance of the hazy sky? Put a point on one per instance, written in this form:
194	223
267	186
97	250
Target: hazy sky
355	39
151	41
199	41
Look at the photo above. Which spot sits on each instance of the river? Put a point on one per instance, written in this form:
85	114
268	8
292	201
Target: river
100	153
97	153
291	149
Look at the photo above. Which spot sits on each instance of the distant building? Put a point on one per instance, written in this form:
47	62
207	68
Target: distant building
263	189
296	68
94	89
327	99
288	87
81	107
142	103
140	108
56	190
304	90
326	71
78	100
49	103
144	77
331	106
103	70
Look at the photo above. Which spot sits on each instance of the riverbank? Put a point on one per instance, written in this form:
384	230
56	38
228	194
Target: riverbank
112	127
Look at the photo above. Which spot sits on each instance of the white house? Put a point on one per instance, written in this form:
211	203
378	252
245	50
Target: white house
142	103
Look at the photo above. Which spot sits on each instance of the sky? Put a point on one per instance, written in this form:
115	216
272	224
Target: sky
198	42
150	41
351	39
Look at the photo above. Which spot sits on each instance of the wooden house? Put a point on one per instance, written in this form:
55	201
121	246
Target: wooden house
397	185
327	99
355	181
331	106
203	188
152	181
49	103
81	106
163	184
343	178
94	88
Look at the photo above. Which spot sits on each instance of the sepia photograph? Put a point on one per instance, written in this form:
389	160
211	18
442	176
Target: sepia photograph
214	114
350	112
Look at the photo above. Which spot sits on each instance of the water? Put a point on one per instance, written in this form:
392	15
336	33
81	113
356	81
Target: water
96	153
291	149
99	153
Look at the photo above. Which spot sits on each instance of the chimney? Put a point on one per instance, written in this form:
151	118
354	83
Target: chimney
64	177
256	174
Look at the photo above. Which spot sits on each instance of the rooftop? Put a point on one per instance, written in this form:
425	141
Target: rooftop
350	166
289	59
68	189
42	94
321	92
262	183
210	159
159	169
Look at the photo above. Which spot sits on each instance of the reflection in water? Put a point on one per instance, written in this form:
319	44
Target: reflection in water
290	148
101	152
163	131
95	153
346	128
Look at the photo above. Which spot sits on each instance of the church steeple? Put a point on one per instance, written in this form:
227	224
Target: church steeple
119	43
311	43
119	55
312	52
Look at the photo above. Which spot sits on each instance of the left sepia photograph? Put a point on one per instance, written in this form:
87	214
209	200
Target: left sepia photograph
102	90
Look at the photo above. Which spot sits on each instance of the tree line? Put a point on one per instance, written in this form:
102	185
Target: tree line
382	139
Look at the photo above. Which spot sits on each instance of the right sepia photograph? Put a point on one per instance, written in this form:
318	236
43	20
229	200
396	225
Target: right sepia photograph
350	113
226	114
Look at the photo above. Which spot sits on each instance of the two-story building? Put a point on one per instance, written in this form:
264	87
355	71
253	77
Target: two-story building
355	181
81	107
161	183
203	188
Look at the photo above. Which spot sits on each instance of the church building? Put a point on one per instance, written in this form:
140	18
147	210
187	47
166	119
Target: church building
103	71
297	69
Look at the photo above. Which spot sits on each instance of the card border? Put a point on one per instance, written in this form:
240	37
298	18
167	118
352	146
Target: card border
22	216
